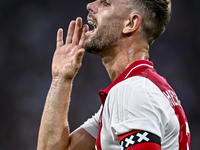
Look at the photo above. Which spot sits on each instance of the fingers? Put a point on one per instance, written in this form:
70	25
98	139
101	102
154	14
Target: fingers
59	38
74	31
77	32
70	32
85	29
74	34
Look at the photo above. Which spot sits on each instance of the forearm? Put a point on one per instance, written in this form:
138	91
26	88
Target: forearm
67	60
54	128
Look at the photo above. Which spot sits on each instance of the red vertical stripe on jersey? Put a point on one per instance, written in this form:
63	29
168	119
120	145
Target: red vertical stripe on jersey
145	69
98	141
161	83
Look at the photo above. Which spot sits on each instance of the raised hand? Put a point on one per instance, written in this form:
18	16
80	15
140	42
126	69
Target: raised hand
68	56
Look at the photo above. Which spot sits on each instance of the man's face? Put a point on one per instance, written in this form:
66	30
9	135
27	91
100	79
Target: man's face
107	17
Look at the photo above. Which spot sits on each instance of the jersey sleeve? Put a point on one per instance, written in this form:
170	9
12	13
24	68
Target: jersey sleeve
92	124
138	104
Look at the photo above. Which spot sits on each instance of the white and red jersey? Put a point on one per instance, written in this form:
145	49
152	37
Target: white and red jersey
139	99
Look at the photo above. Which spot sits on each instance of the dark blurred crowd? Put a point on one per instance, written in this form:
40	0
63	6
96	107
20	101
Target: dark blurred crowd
27	43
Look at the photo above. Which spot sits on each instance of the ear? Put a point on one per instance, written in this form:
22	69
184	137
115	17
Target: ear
132	23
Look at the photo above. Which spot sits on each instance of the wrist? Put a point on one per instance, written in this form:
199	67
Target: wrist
61	82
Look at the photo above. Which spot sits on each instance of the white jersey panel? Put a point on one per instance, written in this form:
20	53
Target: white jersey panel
92	124
137	103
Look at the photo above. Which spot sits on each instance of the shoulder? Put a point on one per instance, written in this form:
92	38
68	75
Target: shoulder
138	102
137	87
138	93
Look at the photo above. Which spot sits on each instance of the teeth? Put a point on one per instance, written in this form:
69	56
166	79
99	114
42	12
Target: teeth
92	23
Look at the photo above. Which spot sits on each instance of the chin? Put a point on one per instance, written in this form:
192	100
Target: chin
90	48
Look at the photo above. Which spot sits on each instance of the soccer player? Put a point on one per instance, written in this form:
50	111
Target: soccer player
139	109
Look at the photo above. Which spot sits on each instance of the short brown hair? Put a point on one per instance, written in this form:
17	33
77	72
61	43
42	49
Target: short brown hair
155	16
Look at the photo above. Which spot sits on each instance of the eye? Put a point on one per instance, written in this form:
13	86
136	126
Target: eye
105	3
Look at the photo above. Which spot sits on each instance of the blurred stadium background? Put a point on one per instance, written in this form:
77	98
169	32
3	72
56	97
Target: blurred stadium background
27	43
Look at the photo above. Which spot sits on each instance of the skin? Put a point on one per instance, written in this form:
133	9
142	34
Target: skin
129	46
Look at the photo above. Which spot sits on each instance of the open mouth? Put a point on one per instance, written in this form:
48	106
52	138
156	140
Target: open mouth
93	24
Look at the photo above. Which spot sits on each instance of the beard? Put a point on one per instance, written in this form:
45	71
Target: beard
105	37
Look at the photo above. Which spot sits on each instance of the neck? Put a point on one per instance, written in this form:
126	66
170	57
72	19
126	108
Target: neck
117	59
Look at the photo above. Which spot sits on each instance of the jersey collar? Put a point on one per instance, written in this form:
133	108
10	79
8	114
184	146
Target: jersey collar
126	74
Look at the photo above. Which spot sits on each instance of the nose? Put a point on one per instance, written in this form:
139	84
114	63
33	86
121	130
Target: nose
91	7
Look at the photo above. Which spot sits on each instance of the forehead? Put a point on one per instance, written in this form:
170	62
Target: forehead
119	4
117	1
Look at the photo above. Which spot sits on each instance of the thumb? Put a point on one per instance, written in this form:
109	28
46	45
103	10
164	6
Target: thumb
78	58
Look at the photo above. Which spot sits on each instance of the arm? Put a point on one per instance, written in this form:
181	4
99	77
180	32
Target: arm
54	128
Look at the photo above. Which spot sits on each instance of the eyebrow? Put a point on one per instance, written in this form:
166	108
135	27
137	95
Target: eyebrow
110	1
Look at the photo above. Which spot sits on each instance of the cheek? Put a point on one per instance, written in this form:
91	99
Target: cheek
105	17
111	18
